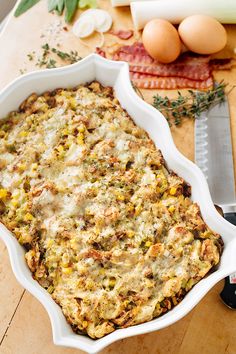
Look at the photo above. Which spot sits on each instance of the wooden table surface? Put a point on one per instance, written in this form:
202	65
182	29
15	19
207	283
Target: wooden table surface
24	324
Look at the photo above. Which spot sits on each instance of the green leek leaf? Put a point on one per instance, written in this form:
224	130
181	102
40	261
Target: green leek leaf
71	7
60	6
24	5
52	5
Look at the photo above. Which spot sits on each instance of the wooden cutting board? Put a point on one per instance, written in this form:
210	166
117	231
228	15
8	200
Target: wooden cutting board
24	324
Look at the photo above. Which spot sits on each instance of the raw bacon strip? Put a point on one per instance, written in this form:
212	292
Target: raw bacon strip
101	52
136	49
122	34
133	58
222	64
188	66
169	83
194	72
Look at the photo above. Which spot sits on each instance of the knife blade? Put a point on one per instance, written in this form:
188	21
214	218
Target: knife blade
213	154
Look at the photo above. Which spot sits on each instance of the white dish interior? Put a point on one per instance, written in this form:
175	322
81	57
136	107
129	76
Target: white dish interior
116	74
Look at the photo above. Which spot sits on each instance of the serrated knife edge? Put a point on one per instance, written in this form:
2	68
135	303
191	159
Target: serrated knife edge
201	150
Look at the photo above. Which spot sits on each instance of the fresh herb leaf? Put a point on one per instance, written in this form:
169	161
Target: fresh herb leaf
71	57
71	7
24	5
189	106
51	64
47	61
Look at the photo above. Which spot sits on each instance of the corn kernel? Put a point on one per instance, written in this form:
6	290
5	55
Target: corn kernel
28	217
126	303
67	271
80	141
49	243
102	271
3	193
112	283
138	210
34	166
65	131
89	284
50	289
130	207
60	148
93	155
120	197
85	324
22	167
148	244
21	240
130	233
159	176
97	231
14	203
171	209
81	128
23	134
73	103
173	191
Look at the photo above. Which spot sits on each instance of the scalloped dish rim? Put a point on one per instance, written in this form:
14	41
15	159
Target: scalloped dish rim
116	74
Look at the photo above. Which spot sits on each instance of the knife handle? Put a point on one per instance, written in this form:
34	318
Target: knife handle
228	294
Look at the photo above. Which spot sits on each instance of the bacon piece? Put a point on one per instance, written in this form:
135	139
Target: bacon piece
222	64
188	66
188	71
193	72
170	83
122	34
101	52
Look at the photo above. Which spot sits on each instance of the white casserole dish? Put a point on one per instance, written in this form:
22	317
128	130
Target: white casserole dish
116	74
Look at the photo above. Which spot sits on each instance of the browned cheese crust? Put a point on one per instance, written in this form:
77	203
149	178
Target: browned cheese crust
109	232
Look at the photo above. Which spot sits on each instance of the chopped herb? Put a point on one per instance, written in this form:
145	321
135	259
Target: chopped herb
22	71
51	64
31	56
47	61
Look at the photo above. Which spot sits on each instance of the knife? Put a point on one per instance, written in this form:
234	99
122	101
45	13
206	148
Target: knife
213	154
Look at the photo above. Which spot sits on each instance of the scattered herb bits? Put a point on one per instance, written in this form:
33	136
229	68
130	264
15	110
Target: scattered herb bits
49	56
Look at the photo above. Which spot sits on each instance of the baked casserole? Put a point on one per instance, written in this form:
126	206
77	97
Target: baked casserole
109	231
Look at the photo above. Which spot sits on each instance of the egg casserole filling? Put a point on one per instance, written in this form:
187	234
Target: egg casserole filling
108	230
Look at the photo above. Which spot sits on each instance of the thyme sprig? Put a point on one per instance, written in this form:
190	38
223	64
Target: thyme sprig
190	105
47	61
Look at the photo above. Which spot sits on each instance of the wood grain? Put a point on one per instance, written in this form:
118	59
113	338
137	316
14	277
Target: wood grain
24	324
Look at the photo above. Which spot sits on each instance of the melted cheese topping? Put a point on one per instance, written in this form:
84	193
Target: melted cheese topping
108	230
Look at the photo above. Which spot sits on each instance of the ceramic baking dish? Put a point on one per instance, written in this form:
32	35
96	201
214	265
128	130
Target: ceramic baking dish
116	74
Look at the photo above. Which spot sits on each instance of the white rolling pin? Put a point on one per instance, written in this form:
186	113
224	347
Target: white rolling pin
177	10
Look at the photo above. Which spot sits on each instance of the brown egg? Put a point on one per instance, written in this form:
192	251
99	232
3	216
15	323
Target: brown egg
202	34
161	40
